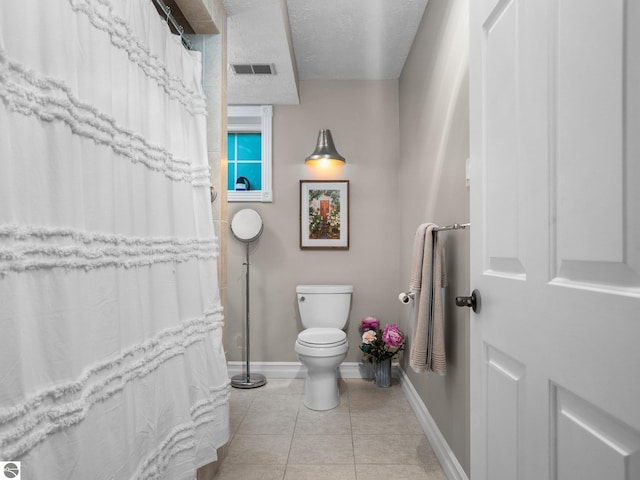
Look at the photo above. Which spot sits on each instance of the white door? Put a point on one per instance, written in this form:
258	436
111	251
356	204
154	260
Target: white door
555	239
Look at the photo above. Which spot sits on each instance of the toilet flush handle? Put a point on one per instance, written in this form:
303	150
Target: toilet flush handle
302	299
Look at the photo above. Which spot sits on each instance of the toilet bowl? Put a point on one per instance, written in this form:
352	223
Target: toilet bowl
322	346
321	350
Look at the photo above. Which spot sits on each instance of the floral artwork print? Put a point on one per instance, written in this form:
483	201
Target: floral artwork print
324	214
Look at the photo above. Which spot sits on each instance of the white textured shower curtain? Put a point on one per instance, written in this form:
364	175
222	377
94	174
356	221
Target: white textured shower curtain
111	361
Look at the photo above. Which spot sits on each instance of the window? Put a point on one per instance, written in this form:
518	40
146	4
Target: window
249	153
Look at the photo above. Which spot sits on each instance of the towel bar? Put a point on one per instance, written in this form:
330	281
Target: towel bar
455	226
406	297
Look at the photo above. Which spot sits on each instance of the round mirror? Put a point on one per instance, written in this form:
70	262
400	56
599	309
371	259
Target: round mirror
246	225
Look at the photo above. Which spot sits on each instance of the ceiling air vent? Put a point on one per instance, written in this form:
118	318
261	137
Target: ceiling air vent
253	69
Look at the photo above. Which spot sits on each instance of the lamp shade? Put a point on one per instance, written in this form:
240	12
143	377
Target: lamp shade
325	149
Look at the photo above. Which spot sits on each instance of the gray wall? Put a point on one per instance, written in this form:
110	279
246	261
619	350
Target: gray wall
434	139
363	119
406	144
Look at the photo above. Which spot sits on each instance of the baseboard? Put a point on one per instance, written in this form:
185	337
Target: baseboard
268	369
297	370
450	465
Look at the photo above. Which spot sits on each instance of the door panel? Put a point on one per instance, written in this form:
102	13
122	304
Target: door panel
589	443
589	239
502	213
504	402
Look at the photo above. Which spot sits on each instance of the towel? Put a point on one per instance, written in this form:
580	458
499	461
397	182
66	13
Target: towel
415	284
427	348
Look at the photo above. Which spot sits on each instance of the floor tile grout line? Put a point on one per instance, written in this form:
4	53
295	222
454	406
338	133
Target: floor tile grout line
295	424
353	445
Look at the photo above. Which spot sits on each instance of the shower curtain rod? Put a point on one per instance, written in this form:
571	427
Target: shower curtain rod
173	22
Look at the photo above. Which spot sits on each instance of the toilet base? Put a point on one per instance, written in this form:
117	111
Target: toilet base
321	390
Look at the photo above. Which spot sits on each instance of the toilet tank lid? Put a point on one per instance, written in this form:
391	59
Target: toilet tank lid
324	289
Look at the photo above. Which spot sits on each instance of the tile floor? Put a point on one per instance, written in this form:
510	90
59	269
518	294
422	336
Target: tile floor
372	434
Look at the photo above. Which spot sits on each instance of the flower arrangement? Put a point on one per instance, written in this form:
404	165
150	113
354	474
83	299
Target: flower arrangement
380	344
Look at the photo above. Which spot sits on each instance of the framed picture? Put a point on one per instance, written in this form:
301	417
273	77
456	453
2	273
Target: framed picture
324	214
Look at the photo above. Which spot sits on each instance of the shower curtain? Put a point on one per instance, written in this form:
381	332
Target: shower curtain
111	360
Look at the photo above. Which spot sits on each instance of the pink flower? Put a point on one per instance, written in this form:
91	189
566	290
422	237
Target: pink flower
368	336
370	323
392	336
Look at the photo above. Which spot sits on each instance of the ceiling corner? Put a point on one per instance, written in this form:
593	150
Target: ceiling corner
258	32
202	15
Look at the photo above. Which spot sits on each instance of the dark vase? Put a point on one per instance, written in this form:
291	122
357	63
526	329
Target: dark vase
382	373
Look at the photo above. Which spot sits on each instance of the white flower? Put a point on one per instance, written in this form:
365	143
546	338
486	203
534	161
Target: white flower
368	336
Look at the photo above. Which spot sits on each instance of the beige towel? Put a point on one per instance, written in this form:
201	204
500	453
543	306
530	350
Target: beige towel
427	347
415	284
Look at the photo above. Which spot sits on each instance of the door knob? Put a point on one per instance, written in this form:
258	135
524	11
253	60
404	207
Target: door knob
473	301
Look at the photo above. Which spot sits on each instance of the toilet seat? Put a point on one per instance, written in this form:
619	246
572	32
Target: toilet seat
322	337
322	342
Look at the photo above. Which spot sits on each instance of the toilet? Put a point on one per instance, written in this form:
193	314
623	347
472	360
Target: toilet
322	345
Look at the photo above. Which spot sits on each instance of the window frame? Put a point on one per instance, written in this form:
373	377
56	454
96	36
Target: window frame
253	118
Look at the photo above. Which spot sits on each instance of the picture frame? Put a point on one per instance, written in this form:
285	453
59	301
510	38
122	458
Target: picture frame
324	214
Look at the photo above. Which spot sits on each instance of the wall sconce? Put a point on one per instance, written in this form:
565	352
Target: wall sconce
325	151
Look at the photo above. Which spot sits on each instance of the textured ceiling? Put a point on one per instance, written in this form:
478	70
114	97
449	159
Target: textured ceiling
316	39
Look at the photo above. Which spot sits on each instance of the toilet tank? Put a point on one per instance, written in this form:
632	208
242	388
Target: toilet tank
324	305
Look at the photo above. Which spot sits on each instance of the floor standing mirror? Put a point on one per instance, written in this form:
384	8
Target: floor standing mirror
247	226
